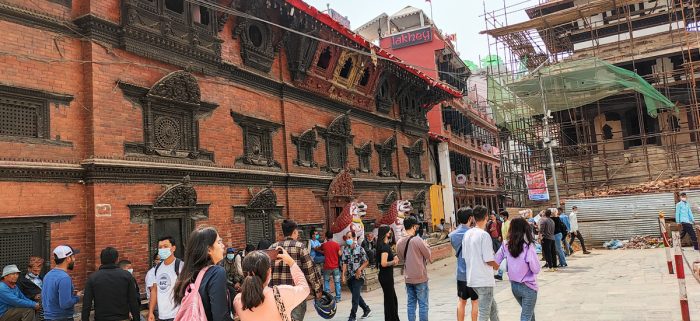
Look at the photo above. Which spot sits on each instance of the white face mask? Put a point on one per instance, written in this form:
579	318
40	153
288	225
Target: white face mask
130	271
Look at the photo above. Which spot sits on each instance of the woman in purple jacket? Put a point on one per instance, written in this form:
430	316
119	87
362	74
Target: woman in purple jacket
523	266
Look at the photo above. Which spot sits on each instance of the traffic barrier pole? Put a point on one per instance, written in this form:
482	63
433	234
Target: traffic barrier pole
685	312
667	245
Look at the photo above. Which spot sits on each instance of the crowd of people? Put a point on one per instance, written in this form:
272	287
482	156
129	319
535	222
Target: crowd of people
273	281
487	245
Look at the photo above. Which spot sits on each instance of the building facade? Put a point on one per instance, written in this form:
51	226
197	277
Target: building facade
464	138
126	120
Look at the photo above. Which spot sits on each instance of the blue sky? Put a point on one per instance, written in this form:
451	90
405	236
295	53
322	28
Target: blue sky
452	16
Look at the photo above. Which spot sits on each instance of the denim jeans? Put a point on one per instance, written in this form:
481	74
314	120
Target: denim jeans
336	282
417	293
560	249
355	286
527	298
487	304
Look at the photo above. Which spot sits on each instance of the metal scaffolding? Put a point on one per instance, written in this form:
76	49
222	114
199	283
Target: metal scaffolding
613	145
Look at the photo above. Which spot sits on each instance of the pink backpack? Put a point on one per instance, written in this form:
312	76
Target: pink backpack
191	307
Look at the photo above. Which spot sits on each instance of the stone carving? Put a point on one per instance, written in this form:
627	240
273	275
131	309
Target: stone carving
394	217
350	219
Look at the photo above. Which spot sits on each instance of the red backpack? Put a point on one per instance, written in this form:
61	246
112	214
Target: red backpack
191	307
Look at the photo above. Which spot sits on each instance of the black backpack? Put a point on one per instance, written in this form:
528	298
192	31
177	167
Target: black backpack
177	267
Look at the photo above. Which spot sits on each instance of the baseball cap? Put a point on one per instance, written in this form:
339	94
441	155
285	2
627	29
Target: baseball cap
64	251
230	250
9	269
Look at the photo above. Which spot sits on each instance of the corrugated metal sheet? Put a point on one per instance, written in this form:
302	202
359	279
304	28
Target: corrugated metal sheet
621	217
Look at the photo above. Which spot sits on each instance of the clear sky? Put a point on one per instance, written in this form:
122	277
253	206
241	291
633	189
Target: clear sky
452	16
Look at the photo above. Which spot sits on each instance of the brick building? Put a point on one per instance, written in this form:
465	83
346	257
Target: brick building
463	137
125	120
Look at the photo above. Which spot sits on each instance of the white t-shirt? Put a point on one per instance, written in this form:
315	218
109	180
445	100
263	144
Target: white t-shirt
150	279
165	281
477	249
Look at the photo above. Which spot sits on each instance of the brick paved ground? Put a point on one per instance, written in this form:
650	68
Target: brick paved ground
622	285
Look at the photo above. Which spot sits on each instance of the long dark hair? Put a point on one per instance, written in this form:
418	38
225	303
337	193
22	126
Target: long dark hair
196	258
256	266
519	234
381	235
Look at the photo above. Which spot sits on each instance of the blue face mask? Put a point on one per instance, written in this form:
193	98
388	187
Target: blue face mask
348	242
229	257
164	254
317	236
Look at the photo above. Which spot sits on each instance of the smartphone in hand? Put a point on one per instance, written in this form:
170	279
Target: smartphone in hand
273	253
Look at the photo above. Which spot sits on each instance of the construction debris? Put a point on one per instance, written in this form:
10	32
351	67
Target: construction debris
636	243
670	184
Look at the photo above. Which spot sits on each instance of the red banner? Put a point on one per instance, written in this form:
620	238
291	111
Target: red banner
537	186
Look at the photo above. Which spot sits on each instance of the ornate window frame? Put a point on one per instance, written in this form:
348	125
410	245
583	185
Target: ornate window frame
171	109
364	157
383	98
259	56
306	144
31	109
413	116
257	141
414	153
385	151
259	215
338	136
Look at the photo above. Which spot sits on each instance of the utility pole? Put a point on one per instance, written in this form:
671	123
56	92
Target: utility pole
548	140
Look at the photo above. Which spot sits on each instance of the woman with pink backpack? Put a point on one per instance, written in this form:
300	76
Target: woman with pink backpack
200	289
257	301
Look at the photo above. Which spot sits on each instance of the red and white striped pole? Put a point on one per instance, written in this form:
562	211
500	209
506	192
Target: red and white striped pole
685	312
667	243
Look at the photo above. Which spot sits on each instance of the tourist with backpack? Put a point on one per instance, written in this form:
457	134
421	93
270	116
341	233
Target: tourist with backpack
464	293
166	272
259	302
200	290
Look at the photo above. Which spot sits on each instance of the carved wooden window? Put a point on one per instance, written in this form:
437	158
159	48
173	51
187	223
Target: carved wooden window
338	136
364	153
25	112
411	112
414	154
257	141
383	98
259	216
324	59
364	80
170	112
257	44
385	151
306	144
347	68
22	237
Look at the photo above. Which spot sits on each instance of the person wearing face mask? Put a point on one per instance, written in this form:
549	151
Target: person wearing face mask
58	295
127	266
315	245
355	261
151	275
112	289
684	216
234	277
30	283
166	272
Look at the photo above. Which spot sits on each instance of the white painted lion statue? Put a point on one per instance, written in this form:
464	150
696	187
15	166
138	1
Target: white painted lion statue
394	218
350	220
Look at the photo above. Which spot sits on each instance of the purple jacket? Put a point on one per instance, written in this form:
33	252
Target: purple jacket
521	269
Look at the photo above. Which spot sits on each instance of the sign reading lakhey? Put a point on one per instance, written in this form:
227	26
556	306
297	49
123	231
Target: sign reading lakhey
411	38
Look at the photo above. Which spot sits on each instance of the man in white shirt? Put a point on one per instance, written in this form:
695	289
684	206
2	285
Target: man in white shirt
151	275
477	251
573	221
162	286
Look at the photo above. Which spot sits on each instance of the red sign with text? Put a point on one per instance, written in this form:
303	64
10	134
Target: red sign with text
411	38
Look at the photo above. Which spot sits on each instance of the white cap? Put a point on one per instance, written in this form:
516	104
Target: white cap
64	251
7	270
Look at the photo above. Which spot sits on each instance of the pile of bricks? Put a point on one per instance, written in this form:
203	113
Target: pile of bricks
670	184
643	242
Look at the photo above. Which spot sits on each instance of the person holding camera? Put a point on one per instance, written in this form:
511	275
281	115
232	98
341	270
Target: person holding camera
258	301
282	273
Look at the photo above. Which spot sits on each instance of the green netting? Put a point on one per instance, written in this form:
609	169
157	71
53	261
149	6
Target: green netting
568	85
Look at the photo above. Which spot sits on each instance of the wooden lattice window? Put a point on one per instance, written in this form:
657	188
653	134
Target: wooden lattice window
385	151
22	237
257	141
306	144
338	136
414	153
364	153
25	112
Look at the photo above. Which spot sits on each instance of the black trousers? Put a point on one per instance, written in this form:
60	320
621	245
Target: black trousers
355	286
577	235
549	250
391	304
689	229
